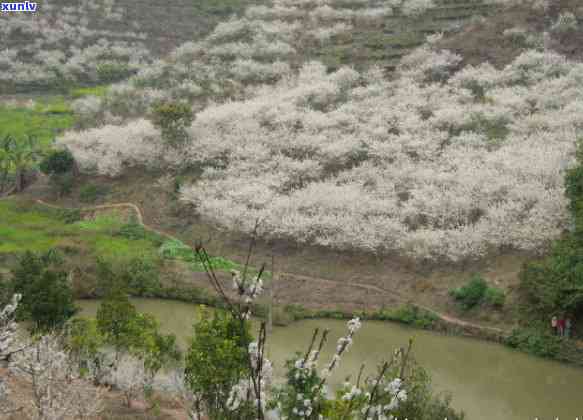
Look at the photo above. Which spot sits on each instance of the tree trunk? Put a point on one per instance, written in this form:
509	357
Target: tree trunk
75	169
19	180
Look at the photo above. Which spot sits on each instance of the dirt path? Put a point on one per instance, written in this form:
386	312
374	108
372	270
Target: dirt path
368	287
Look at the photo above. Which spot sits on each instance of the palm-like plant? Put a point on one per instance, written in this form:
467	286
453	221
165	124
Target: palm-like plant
18	156
5	163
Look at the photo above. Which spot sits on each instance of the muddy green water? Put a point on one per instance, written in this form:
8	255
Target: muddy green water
488	381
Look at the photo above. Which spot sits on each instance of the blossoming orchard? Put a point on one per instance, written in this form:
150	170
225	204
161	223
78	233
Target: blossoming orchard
432	165
412	161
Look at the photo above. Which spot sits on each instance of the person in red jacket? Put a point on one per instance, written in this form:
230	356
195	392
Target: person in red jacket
561	325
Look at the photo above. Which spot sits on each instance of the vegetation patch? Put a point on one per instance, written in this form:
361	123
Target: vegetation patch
43	120
28	226
476	292
407	314
175	249
536	341
79	92
92	192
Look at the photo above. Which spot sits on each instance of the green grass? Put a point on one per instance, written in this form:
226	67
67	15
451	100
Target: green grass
50	115
26	226
79	92
44	121
174	249
223	8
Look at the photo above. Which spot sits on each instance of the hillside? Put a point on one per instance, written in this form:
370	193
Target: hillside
501	37
429	178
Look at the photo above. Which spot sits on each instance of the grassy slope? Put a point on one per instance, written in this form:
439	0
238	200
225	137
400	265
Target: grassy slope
44	121
34	227
477	43
28	226
49	115
385	45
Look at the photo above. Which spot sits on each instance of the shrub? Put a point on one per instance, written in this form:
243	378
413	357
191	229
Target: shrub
472	293
112	72
555	284
69	215
92	192
217	359
63	183
408	314
533	341
137	276
495	297
172	118
476	291
47	295
133	230
57	162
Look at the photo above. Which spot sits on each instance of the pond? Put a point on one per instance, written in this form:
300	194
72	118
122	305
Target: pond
488	381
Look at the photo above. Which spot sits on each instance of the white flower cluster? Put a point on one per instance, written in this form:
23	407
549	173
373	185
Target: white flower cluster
416	7
109	149
341	346
129	375
244	391
66	46
389	394
248	290
304	408
263	46
566	22
58	390
8	327
8	332
438	163
432	169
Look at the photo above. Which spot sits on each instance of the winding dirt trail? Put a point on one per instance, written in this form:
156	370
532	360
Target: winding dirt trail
398	296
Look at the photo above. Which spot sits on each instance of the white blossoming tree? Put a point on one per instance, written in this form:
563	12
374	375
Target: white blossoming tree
8	346
57	391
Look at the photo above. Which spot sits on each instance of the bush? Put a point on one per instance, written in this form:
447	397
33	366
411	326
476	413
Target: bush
69	215
494	297
112	72
47	295
408	314
137	276
534	341
217	359
172	118
57	162
91	193
133	231
472	293
62	183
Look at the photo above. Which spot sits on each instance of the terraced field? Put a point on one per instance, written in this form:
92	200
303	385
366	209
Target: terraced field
386	45
168	25
184	20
